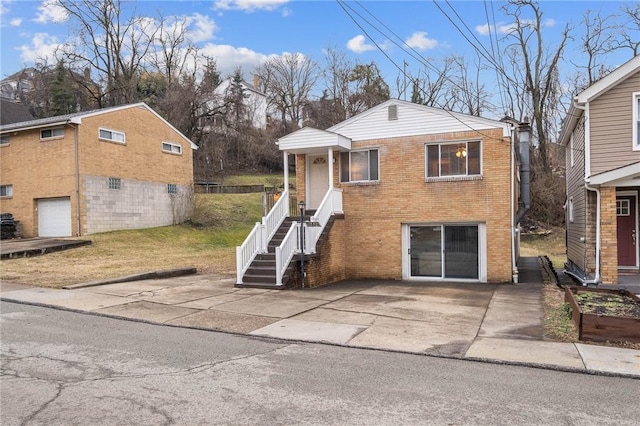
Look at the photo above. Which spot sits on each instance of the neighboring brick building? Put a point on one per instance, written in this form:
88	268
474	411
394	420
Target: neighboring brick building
401	191
115	168
602	138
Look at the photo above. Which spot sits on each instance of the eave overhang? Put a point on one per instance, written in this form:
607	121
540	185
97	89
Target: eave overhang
625	176
313	141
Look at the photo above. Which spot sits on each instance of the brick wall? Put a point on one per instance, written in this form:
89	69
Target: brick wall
608	236
375	212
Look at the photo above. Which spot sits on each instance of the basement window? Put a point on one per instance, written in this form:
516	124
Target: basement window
111	136
115	183
172	188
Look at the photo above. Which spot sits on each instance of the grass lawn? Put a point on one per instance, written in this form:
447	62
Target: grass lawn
222	222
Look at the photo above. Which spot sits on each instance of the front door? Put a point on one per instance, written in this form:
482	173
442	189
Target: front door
318	180
444	251
627	230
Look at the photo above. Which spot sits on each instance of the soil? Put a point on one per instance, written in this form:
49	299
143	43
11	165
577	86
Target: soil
608	304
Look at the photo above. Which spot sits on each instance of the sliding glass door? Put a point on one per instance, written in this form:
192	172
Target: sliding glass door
444	251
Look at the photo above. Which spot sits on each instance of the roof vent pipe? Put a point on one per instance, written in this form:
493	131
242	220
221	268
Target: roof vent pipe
524	138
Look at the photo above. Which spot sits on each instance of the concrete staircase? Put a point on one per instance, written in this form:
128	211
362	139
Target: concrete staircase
262	271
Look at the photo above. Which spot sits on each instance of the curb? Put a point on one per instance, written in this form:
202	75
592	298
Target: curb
152	275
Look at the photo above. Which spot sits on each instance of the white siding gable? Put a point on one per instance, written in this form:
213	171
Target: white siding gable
412	119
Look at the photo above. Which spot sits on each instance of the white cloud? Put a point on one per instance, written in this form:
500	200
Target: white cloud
201	28
15	22
419	40
228	58
42	49
248	5
359	45
51	11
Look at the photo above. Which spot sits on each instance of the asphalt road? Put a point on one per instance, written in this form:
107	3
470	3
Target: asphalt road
61	367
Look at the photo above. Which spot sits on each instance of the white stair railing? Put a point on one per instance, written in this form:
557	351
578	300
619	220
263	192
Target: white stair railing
331	204
245	254
286	250
258	239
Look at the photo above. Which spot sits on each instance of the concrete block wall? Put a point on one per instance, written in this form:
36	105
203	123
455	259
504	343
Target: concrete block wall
136	205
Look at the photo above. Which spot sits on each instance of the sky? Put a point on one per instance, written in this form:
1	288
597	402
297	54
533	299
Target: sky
245	33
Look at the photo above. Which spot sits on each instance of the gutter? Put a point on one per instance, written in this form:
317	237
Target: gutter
76	174
524	137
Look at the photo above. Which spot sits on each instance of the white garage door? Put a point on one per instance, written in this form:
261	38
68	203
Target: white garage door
54	217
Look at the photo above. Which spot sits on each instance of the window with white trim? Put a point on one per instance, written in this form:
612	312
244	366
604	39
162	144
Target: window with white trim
623	207
571	150
4	140
171	148
111	135
115	183
359	166
636	121
571	209
53	133
453	159
6	191
172	188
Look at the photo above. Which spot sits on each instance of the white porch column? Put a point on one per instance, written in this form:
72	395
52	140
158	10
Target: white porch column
330	168
286	171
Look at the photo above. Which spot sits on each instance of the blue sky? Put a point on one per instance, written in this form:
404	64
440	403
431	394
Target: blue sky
246	32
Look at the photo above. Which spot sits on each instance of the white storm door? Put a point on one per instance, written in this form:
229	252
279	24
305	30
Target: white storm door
318	180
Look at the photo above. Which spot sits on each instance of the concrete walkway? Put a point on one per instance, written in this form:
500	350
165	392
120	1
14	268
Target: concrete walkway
484	322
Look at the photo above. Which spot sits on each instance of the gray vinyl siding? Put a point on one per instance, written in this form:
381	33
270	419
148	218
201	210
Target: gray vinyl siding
611	126
576	249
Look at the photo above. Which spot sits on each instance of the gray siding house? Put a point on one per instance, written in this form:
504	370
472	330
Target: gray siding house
602	137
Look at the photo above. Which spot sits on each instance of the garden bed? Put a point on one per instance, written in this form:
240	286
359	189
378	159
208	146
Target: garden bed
602	315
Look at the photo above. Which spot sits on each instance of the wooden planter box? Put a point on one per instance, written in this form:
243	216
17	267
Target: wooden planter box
602	328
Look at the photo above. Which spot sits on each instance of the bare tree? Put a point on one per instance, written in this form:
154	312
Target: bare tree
288	81
112	47
539	64
630	30
597	41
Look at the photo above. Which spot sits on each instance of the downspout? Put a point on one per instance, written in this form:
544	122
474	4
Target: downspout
524	137
77	175
514	261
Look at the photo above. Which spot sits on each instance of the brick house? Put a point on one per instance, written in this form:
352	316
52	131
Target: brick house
602	139
400	191
95	171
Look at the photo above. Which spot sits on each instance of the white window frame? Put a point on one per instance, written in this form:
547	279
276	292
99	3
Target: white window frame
571	210
171	148
111	137
8	191
571	151
56	133
635	131
467	175
5	140
172	188
368	151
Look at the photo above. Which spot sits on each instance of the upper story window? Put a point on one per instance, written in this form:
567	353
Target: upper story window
111	135
56	132
636	120
6	191
4	140
172	148
571	150
453	159
359	166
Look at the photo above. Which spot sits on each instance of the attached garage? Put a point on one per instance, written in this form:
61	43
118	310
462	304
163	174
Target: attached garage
54	217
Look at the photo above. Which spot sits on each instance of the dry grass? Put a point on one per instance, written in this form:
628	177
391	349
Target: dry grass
210	249
551	245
